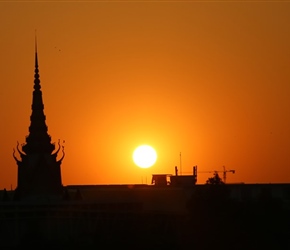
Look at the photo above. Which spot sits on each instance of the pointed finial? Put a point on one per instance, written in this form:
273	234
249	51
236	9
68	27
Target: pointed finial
36	71
36	59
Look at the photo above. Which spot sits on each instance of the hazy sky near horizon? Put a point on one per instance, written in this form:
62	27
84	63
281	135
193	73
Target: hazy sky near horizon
207	79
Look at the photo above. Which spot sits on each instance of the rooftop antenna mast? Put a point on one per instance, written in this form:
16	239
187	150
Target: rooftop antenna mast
180	163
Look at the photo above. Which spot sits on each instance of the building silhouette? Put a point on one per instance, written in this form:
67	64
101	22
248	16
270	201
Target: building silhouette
39	173
173	213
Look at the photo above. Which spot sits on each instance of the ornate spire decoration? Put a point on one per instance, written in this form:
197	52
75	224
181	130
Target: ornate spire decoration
39	172
38	139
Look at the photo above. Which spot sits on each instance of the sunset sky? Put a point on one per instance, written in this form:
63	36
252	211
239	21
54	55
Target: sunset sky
207	79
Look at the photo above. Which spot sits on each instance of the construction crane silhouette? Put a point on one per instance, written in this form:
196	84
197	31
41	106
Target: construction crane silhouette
223	171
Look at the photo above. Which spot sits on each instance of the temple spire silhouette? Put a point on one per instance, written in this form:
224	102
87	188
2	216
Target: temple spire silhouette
38	139
39	174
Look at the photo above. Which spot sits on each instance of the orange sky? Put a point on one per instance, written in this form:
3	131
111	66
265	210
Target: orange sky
208	79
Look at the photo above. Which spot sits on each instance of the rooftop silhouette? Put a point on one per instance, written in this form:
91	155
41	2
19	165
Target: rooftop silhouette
39	172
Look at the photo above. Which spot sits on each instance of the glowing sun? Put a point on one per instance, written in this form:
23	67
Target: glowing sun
144	156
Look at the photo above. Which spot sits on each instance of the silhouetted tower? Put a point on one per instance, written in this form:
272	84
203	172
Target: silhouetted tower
39	173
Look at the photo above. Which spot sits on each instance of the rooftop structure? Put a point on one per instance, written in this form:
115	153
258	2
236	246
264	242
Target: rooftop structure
39	173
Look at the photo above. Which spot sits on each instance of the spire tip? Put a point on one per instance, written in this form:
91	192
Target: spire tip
35	42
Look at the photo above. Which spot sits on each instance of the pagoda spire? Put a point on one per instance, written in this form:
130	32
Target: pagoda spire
39	172
38	140
36	71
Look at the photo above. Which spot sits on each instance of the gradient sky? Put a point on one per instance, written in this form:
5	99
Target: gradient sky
209	79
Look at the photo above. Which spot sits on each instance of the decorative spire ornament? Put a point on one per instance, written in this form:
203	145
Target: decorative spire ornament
39	172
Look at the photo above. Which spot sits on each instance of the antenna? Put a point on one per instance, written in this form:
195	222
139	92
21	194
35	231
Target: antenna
180	163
